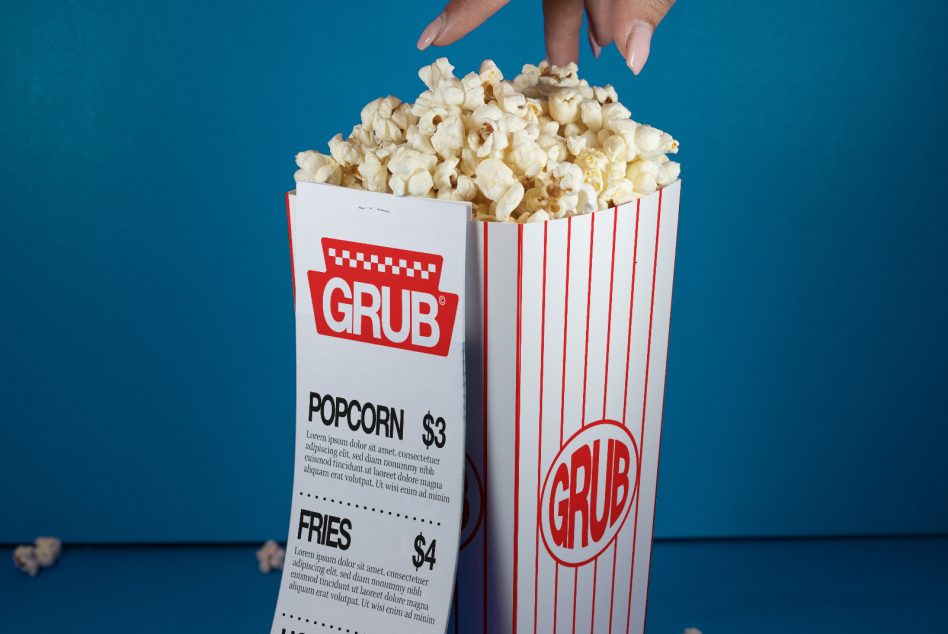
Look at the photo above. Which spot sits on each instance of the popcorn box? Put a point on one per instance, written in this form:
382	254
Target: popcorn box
566	327
567	336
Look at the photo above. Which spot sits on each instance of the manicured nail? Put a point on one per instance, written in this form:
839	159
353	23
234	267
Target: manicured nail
431	33
640	40
593	44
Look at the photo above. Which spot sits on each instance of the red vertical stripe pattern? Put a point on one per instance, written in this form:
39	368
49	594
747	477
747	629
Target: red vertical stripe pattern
486	390
547	268
516	535
289	227
536	568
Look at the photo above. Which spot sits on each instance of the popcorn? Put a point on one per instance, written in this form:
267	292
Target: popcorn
449	137
374	173
564	105
378	117
590	112
527	158
473	91
42	554
347	152
672	170
432	75
653	143
411	172
586	201
485	135
542	146
318	167
528	77
490	76
509	99
451	185
24	558
47	550
606	94
271	556
644	176
497	182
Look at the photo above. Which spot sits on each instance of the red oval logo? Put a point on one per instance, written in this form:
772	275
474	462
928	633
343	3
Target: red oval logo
473	510
588	492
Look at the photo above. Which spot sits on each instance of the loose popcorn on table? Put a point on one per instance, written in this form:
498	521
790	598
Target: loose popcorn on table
42	554
271	556
24	558
543	146
47	550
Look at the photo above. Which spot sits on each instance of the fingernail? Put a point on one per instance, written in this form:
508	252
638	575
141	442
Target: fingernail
431	33
593	44
640	40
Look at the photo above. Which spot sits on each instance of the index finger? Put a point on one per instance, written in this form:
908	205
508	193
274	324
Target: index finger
562	21
459	18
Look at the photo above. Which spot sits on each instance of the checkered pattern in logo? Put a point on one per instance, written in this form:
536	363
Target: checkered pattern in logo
382	262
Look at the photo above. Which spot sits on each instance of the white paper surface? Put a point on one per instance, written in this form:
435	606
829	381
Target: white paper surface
377	497
567	337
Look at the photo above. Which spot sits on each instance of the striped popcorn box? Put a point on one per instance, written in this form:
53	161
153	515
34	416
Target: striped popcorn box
567	328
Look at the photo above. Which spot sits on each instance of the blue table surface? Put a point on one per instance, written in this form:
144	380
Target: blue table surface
760	586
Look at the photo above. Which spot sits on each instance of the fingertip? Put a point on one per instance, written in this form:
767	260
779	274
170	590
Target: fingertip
640	43
593	44
431	33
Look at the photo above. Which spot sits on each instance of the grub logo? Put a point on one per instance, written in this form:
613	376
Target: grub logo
384	296
588	492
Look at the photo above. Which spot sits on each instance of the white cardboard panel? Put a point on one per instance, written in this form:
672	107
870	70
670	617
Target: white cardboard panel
593	342
364	498
501	334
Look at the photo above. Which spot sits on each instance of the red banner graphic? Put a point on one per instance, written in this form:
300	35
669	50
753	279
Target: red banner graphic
383	296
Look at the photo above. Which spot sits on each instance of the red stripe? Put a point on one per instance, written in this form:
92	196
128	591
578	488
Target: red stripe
592	233
635	531
536	571
612	274
592	625
635	256
556	595
605	393
612	601
649	575
648	355
516	561
569	235
484	501
625	399
289	227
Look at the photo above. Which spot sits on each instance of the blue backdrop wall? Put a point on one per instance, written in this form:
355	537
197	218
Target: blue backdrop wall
146	319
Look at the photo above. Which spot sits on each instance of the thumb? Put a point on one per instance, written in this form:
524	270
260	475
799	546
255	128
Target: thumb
635	21
459	18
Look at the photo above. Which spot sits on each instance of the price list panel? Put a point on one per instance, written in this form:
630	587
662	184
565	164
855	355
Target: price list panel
379	466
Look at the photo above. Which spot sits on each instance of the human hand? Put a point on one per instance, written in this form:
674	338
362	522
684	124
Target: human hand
628	23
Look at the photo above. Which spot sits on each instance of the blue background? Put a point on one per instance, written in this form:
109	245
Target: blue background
146	310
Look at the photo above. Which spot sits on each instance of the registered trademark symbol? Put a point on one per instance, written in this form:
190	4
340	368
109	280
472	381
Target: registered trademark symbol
441	300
